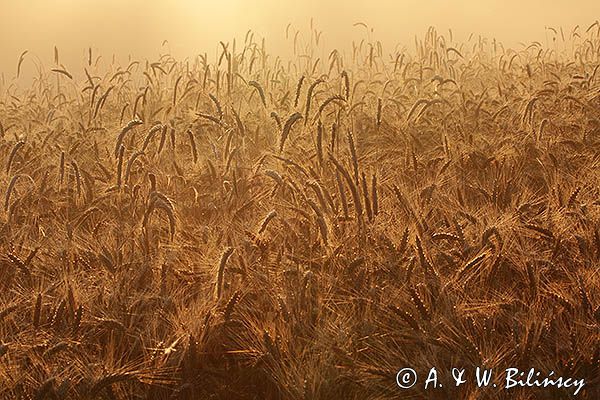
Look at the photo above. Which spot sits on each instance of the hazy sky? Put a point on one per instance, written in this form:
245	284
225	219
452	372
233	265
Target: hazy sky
138	27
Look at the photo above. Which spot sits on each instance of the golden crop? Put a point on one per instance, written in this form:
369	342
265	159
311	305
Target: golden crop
252	228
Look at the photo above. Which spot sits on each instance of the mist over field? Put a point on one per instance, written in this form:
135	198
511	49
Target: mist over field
138	28
185	215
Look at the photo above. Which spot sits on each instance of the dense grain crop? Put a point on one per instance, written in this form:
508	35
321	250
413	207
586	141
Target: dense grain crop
250	228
